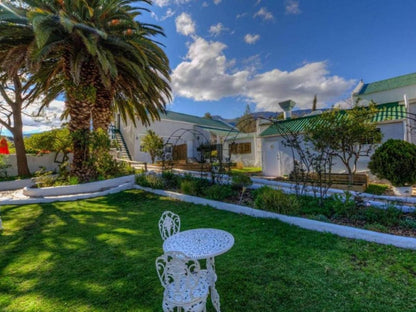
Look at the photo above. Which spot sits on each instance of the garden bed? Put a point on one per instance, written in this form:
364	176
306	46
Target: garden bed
344	210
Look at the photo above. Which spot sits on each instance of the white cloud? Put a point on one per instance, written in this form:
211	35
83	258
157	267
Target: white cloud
203	75
292	7
251	39
241	15
161	3
207	75
169	13
264	14
217	2
216	30
185	25
300	85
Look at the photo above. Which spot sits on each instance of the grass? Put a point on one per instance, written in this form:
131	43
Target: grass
98	255
247	170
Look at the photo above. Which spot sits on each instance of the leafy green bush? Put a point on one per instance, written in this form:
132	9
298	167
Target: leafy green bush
219	192
240	180
276	201
150	180
3	166
200	184
189	187
377	189
395	161
171	180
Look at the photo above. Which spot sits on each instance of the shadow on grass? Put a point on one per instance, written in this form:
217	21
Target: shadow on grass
98	255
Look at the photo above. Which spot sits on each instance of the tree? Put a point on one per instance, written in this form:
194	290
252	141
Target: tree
152	144
208	115
56	140
349	134
395	160
101	57
247	123
14	86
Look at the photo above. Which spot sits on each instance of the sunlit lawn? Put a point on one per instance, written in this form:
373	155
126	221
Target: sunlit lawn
98	255
247	170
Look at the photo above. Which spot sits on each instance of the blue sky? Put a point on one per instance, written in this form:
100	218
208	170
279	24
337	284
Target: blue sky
225	54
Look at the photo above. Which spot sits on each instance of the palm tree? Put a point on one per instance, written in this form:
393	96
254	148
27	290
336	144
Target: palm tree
99	54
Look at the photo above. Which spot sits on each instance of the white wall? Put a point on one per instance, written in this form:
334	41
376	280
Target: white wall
278	159
249	159
34	163
175	132
395	95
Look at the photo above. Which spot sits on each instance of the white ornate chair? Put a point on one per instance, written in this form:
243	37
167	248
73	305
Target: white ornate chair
186	285
169	224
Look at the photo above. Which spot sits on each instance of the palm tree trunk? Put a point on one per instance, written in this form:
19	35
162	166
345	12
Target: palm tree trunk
79	102
102	112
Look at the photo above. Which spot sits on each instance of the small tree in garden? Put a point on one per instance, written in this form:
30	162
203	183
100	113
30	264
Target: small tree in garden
247	123
349	134
152	144
56	140
395	161
242	182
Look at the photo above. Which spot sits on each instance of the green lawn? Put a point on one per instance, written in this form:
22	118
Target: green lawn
98	255
247	170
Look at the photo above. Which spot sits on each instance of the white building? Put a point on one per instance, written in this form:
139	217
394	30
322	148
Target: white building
183	135
396	100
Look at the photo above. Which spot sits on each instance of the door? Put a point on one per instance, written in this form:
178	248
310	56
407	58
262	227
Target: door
179	152
271	159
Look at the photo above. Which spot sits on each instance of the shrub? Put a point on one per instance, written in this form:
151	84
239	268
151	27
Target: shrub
240	180
189	187
150	180
171	180
218	192
276	201
377	189
395	161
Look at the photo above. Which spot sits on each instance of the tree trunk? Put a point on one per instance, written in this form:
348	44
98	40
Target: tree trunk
79	102
102	111
21	159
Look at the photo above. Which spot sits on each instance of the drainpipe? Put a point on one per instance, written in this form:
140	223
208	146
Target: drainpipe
406	125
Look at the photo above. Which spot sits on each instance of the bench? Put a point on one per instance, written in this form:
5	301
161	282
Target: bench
343	178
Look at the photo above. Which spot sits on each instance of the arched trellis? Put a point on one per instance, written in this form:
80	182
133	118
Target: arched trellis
173	140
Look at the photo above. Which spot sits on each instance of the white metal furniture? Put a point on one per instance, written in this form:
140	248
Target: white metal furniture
202	244
186	285
169	224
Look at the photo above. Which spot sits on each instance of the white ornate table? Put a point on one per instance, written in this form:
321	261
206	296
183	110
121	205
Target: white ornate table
202	244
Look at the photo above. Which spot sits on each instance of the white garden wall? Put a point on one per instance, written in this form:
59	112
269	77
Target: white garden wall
34	163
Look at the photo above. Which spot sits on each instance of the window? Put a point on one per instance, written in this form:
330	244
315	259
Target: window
240	148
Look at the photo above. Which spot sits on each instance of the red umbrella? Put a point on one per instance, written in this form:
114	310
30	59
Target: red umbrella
4	147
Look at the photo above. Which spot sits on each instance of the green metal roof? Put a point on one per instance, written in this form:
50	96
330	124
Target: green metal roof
387	111
220	132
195	120
388	84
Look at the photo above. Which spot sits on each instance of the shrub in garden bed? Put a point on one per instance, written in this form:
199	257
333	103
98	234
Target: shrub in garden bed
346	209
270	199
377	189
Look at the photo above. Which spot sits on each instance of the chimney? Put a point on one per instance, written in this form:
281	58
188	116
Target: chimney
287	107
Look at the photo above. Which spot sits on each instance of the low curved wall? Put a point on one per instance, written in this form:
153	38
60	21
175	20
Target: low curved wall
15	184
91	187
